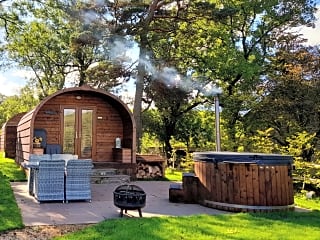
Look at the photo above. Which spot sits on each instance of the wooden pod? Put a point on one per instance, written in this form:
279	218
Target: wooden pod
8	138
82	121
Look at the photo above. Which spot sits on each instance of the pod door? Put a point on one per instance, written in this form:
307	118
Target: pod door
78	131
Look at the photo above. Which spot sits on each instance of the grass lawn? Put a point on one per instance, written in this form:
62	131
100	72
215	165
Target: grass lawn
286	225
277	225
301	201
10	215
173	175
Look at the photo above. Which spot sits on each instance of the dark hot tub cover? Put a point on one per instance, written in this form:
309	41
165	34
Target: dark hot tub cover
243	157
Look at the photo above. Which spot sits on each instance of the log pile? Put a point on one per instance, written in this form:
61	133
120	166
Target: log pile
150	166
146	170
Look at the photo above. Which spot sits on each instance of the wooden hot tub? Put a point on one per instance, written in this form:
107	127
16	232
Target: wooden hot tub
244	181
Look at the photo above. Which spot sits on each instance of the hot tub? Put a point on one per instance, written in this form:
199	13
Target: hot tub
244	181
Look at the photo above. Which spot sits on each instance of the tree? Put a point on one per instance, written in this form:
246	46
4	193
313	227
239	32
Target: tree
291	105
13	105
226	42
53	40
173	102
197	130
231	44
147	22
73	40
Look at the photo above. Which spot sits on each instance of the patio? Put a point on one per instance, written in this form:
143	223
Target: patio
102	206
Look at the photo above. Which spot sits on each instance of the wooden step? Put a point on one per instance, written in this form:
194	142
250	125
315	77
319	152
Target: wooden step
104	171
108	175
102	179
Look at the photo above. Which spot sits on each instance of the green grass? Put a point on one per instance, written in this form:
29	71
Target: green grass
268	226
277	225
10	215
312	204
11	170
173	175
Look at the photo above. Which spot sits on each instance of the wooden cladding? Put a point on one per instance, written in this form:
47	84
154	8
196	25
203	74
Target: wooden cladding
245	184
122	155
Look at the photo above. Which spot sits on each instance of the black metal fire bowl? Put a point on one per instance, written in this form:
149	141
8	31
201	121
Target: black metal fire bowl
129	197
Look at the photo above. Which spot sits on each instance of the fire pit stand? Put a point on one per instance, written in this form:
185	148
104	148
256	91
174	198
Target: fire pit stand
129	197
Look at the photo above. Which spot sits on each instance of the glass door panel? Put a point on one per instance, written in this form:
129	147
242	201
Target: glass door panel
86	133
78	130
69	130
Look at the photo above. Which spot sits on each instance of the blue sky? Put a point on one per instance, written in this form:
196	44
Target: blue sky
12	80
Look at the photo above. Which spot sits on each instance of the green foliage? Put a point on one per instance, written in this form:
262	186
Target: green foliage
150	144
228	43
172	105
241	46
308	174
13	105
233	45
197	130
193	130
290	103
152	123
298	144
261	142
290	109
57	40
39	43
305	172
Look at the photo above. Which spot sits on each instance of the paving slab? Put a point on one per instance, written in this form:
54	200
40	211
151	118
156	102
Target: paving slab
101	207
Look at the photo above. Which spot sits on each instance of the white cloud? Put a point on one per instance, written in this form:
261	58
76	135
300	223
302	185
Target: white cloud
23	75
8	87
312	34
12	81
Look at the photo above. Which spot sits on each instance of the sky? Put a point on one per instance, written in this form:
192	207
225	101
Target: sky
12	80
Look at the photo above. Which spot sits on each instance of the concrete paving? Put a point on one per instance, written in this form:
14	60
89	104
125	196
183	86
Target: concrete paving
101	207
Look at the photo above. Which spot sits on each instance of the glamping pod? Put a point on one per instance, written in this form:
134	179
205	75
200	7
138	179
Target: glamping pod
82	121
9	136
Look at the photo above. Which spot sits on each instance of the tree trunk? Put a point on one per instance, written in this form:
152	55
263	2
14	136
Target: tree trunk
168	147
137	109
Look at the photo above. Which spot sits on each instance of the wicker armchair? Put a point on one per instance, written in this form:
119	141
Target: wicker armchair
78	173
49	180
34	160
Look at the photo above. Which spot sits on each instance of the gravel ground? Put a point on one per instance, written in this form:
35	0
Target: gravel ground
43	232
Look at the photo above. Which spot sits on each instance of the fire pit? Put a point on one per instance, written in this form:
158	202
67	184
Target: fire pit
129	197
